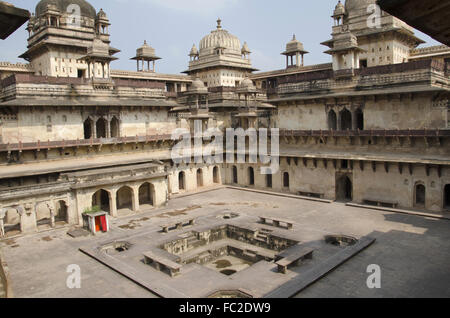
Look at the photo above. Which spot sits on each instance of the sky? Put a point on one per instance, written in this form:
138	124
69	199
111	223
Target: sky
172	26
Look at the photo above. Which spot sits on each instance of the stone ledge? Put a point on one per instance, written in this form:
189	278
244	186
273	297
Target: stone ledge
401	211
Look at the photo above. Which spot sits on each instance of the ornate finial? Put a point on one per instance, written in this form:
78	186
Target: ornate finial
219	24
293	38
145	42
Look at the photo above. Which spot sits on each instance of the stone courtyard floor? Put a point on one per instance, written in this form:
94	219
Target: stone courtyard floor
412	251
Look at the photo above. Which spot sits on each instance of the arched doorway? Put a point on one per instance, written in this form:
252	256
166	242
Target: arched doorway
235	175
269	181
251	176
101	128
124	198
286	181
43	215
199	178
181	181
61	215
146	194
346	119
100	199
332	120
344	189
359	119
115	131
87	128
216	177
420	195
447	197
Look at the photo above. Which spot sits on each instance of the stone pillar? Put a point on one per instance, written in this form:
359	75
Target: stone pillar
108	128
135	199
2	228
113	203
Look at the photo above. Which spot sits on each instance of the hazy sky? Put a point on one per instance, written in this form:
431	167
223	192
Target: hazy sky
172	26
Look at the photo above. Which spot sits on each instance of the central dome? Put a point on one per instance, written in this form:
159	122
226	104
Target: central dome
87	10
220	38
358	4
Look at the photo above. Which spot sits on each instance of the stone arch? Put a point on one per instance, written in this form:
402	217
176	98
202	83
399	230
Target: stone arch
332	120
200	178
286	180
44	214
124	199
216	175
102	199
251	176
344	189
88	127
345	119
447	197
235	175
101	128
146	194
359	119
10	221
420	195
115	127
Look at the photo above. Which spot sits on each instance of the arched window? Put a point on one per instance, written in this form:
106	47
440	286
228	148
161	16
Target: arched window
344	189
124	198
251	176
286	180
115	130
101	128
199	178
216	178
235	174
346	119
101	199
88	129
332	120
181	181
420	195
359	119
447	197
269	181
146	194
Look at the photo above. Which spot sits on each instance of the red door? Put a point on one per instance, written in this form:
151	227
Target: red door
98	224
103	223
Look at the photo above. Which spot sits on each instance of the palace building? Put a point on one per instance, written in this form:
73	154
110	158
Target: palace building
371	127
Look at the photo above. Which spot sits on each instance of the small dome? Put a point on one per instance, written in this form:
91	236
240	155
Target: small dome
197	84
102	15
294	46
340	9
220	38
247	83
194	51
87	10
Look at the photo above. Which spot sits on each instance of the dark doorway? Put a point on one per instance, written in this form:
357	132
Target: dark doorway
332	120
362	63
235	174
101	128
81	73
269	181
199	178
346	120
216	177
447	197
420	196
286	182
344	189
359	119
181	181
251	176
88	129
146	193
61	212
115	132
101	200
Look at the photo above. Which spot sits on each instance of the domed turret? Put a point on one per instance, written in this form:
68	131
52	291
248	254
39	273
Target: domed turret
86	9
194	53
294	48
146	54
339	10
245	50
219	38
351	5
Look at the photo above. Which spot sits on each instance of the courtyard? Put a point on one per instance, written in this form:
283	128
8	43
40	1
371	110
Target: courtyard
412	251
